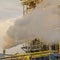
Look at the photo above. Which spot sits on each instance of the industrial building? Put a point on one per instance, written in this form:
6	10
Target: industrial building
35	49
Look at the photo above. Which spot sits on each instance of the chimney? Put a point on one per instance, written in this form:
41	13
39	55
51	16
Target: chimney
4	52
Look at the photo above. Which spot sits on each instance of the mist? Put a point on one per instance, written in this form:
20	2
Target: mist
42	23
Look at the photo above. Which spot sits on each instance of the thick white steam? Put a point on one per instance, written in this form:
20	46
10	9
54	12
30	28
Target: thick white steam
43	22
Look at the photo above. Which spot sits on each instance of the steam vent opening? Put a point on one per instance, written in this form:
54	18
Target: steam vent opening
30	30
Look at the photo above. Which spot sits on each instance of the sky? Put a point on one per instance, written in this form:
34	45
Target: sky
9	11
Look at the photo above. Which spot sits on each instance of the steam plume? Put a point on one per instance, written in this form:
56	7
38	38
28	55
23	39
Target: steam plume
43	22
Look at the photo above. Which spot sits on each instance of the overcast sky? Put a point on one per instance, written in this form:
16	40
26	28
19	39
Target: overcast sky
9	10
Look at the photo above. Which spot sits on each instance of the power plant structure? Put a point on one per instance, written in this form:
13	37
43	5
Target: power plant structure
35	49
29	5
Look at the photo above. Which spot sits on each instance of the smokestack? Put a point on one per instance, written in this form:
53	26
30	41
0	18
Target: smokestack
4	52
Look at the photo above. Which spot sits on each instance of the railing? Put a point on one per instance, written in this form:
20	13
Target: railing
30	56
27	56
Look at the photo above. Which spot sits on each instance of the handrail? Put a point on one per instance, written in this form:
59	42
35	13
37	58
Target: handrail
33	54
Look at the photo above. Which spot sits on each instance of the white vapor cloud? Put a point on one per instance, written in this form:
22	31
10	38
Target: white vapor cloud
4	26
43	22
9	11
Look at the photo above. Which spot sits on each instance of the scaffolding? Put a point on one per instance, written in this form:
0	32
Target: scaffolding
39	45
28	5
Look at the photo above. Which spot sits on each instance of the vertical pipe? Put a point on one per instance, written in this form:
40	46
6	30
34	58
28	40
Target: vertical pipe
23	10
26	9
50	50
4	51
59	47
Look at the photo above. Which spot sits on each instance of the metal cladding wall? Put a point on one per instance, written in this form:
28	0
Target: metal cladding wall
42	58
55	56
